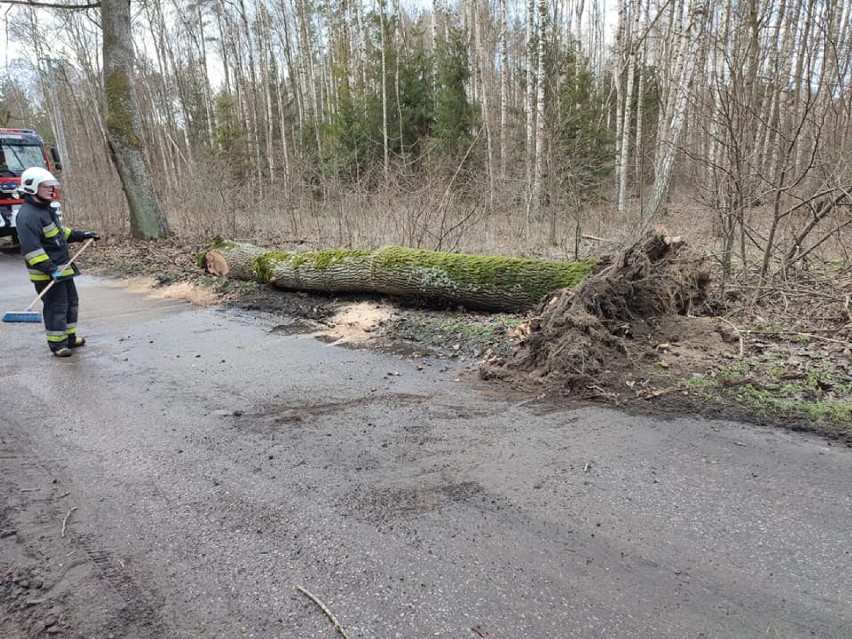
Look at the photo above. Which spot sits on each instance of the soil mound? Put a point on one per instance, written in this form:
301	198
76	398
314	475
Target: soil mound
614	331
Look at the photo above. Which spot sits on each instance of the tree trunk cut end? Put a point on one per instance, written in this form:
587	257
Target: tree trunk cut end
216	264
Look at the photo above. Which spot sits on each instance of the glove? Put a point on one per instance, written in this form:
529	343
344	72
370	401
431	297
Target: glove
90	235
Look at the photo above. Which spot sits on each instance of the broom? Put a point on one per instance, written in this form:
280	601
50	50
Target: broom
28	314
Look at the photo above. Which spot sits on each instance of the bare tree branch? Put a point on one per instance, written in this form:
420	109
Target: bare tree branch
51	5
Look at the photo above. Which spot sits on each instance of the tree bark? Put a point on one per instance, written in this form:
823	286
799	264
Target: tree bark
124	124
538	161
529	108
385	133
473	281
622	108
504	89
691	48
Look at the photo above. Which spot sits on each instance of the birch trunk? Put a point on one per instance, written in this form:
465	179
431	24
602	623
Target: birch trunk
691	48
535	204
622	134
385	135
480	58
627	125
529	105
504	89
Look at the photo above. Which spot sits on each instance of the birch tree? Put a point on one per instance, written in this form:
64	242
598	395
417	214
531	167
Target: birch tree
539	151
504	88
529	111
690	50
384	71
623	45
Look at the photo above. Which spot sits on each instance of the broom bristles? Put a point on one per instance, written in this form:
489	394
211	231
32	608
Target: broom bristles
23	317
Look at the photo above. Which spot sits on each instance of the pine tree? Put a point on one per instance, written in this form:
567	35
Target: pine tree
456	117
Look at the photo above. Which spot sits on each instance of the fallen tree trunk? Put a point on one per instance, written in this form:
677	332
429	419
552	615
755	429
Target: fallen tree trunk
474	281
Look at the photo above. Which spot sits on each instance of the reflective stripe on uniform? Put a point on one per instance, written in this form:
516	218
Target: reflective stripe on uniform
50	230
71	330
56	336
37	276
36	257
67	232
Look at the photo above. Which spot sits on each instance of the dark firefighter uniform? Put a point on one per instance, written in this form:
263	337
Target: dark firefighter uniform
44	245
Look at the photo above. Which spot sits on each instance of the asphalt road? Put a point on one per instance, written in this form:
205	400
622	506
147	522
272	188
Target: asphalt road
189	469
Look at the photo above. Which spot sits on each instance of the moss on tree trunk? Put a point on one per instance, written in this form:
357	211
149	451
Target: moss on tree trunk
474	281
124	123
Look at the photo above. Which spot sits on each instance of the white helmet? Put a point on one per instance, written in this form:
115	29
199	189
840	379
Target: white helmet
35	177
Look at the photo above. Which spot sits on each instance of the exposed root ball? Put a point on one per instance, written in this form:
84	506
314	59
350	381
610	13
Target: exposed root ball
580	338
656	276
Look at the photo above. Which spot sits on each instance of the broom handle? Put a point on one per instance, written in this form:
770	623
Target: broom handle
52	282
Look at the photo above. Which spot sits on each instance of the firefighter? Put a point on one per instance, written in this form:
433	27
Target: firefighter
44	245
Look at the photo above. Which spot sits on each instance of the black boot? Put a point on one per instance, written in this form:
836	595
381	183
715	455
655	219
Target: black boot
63	352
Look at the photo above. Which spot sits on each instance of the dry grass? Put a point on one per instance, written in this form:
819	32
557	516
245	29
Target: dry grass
424	214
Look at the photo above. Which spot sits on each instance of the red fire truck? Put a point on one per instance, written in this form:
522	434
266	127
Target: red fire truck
20	149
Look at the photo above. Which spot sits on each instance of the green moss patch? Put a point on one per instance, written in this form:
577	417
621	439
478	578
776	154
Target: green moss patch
785	388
